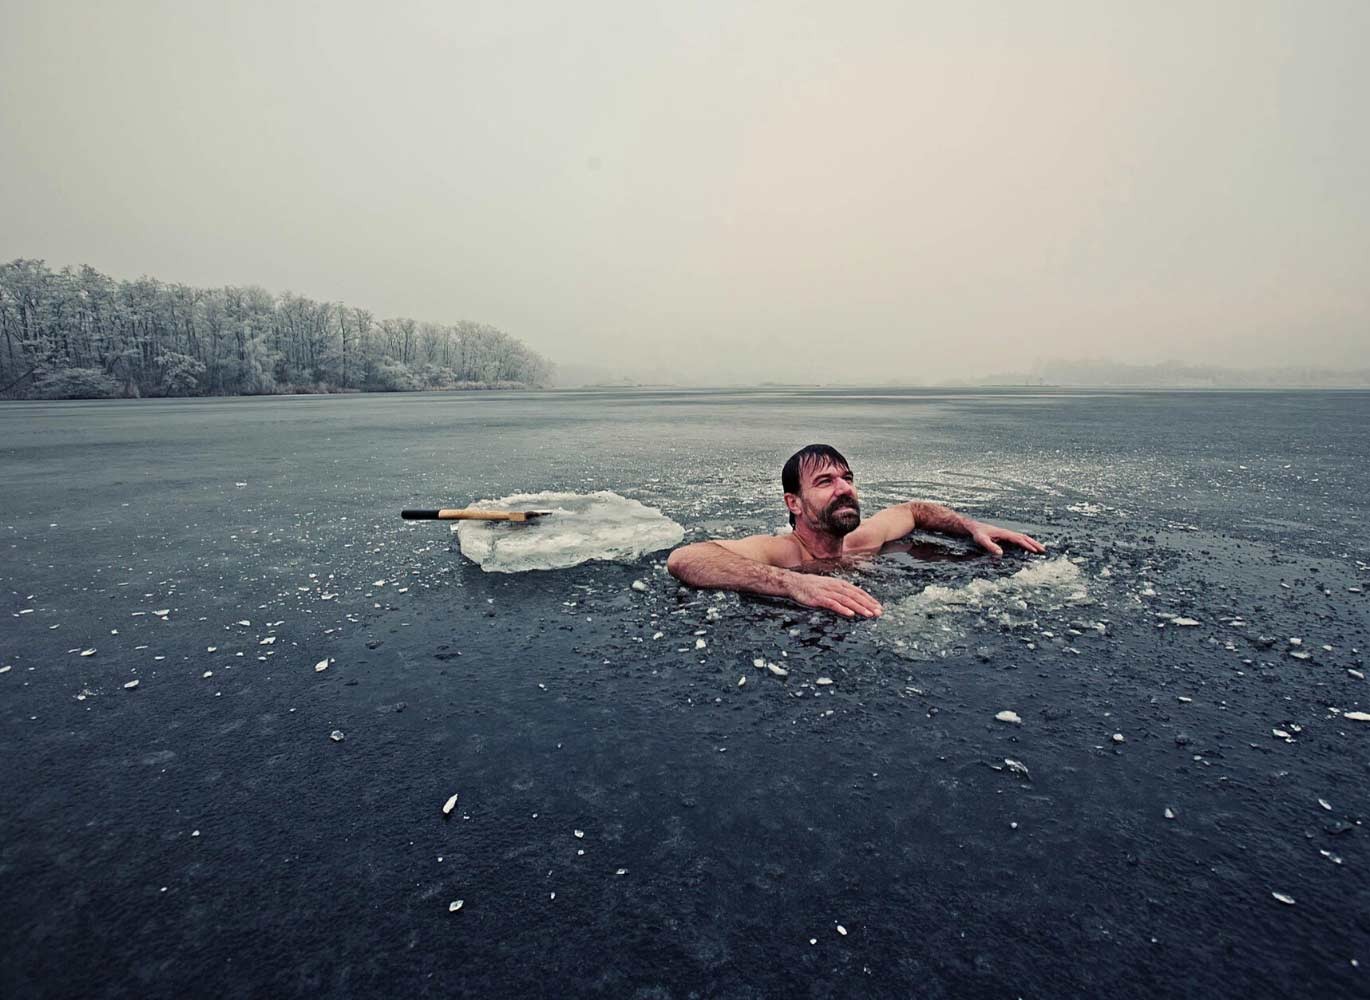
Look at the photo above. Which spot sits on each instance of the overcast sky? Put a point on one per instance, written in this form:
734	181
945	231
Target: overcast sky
724	192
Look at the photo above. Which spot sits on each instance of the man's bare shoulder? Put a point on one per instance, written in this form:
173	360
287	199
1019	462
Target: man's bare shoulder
773	550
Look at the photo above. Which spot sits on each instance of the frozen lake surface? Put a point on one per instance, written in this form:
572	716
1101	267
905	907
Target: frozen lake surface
1187	665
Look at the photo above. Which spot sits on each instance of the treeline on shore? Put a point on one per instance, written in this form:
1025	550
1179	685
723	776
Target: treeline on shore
79	334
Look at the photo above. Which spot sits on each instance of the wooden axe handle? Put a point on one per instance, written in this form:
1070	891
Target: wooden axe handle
458	514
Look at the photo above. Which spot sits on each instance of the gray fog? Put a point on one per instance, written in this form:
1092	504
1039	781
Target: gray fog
723	192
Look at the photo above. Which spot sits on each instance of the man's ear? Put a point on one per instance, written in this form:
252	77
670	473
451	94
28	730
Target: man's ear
792	502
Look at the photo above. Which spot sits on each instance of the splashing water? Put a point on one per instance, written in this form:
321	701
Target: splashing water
583	526
1052	578
930	622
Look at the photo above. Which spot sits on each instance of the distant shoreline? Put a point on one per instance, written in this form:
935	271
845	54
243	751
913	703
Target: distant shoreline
968	390
961	387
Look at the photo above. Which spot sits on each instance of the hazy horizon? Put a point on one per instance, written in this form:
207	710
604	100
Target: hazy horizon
778	193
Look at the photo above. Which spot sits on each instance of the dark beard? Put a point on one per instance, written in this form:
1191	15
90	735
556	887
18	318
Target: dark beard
841	517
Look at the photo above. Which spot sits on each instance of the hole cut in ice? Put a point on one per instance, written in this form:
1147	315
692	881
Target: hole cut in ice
931	622
582	527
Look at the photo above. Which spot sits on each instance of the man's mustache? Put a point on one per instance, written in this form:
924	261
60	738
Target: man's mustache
844	504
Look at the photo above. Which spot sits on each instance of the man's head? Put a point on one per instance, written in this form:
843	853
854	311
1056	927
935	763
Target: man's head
819	487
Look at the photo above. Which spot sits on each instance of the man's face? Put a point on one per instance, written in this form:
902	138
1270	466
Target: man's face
827	499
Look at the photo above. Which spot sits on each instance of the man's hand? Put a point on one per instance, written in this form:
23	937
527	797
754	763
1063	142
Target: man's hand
835	595
988	537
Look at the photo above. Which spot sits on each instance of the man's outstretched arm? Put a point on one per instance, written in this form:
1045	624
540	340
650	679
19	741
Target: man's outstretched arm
935	517
747	565
897	521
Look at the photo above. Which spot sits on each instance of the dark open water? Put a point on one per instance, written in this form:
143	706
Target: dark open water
747	821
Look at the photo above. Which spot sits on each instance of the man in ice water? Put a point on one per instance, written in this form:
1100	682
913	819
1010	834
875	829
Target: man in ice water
828	534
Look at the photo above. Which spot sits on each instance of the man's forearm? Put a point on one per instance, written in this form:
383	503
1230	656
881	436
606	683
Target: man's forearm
710	566
935	517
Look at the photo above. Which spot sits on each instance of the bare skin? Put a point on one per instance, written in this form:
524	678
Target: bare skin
828	534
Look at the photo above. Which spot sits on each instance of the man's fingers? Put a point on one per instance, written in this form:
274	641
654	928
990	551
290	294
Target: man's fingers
848	607
986	540
846	599
850	600
987	543
861	600
853	590
832	604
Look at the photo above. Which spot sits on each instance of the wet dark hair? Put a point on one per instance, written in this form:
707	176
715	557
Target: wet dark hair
808	457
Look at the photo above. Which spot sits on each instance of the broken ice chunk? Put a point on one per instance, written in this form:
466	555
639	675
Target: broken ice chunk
1017	767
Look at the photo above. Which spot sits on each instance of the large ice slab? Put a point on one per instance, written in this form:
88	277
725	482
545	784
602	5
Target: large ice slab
583	526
